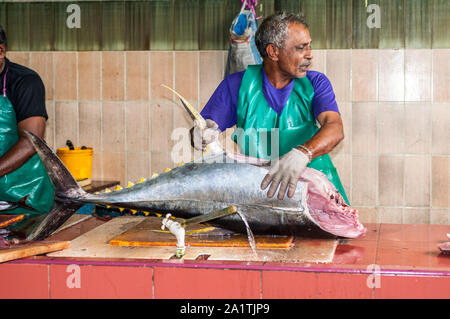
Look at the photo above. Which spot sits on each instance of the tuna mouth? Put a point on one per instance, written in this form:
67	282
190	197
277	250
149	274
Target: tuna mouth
327	208
340	221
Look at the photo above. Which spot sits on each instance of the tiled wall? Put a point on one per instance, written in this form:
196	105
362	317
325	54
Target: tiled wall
113	101
394	161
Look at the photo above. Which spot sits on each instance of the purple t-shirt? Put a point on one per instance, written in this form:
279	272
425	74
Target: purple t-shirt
222	106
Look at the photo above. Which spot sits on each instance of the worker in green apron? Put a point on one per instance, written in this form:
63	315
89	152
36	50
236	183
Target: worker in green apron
281	110
23	178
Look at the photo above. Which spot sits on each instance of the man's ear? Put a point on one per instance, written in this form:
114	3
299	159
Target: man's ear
272	52
2	51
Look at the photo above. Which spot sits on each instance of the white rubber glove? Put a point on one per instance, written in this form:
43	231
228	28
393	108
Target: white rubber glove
206	136
285	171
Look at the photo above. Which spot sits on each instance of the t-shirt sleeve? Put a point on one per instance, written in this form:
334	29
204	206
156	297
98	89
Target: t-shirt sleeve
324	98
29	98
221	107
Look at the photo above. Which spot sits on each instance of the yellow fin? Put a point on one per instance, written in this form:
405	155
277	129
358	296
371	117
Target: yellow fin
130	184
118	188
167	169
196	231
161	231
192	110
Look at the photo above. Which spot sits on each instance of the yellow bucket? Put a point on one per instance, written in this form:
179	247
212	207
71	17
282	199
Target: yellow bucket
77	161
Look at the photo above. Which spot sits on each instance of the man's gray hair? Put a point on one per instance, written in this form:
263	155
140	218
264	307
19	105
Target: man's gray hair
274	28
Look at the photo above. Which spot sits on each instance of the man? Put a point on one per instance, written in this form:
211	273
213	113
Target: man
282	95
23	178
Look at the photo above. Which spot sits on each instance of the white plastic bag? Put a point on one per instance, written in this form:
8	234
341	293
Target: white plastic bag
242	51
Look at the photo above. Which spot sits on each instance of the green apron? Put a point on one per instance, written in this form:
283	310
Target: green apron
31	178
257	123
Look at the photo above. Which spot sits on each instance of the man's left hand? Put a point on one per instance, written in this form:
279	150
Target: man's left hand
285	171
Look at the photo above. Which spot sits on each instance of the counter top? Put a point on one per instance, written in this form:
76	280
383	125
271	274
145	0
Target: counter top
391	261
395	248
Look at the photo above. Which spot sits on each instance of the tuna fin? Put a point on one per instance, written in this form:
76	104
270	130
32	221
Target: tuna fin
210	216
23	203
65	185
57	216
66	188
7	205
193	113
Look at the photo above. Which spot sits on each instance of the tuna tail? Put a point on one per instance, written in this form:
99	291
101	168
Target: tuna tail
67	191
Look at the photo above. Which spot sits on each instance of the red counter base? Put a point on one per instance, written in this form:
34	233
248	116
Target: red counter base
392	261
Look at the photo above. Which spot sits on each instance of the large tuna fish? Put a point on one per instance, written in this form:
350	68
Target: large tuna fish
214	183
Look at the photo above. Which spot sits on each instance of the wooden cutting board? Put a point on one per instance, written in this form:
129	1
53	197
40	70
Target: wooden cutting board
147	233
31	249
95	243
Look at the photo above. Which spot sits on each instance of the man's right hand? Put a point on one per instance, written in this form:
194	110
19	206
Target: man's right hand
201	138
285	172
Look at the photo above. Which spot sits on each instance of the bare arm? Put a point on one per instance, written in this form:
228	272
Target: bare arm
329	135
17	155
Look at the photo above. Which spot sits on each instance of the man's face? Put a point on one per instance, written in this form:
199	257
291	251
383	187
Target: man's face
295	59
